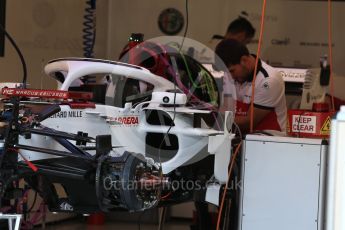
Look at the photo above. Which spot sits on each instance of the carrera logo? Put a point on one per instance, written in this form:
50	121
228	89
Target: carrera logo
127	120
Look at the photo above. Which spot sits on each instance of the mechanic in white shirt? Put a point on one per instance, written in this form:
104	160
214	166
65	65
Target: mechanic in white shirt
243	31
269	96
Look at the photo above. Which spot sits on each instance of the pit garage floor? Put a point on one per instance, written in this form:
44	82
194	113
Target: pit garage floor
81	224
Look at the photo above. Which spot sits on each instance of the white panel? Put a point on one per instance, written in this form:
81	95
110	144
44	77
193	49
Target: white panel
281	185
336	186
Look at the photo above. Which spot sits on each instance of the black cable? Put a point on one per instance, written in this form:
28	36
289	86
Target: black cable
175	83
18	52
174	103
184	36
238	129
186	28
33	203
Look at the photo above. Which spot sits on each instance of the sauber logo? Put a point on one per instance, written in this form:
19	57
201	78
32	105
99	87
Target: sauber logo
124	120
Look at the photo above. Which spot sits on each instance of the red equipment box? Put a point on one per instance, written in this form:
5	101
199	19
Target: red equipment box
304	123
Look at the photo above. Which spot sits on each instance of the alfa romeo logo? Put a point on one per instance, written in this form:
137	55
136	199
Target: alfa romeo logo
170	21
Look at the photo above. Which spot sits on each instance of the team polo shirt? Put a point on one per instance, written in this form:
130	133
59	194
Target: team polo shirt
269	94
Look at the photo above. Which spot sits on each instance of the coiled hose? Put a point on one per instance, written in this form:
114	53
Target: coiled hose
89	29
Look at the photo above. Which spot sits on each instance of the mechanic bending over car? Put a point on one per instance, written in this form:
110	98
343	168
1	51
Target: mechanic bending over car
269	106
243	31
269	96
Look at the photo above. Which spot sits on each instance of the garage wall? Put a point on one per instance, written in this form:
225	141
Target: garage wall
295	32
205	19
44	30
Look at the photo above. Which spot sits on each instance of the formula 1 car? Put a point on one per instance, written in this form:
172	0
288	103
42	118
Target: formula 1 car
140	149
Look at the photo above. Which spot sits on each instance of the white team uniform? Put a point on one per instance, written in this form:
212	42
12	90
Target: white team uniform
269	94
